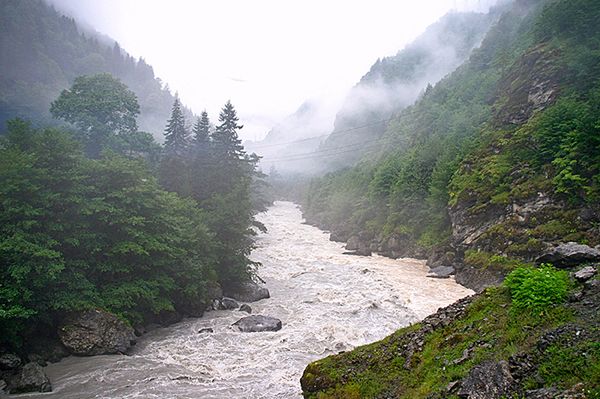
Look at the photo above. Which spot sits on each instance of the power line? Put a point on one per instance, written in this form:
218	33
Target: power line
343	131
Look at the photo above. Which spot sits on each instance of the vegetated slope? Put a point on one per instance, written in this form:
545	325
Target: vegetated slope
496	162
488	346
42	52
395	82
508	179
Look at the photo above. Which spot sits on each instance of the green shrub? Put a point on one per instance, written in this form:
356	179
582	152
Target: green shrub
537	288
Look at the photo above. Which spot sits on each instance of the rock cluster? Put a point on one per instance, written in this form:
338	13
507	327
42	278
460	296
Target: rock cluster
17	379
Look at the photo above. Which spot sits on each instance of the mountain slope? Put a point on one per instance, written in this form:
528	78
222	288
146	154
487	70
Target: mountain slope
42	52
496	172
395	82
445	167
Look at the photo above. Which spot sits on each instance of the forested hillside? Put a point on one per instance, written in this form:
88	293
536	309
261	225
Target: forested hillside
500	157
99	223
42	52
494	174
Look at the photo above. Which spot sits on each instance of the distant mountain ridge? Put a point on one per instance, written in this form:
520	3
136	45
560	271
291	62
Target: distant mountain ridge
312	141
43	51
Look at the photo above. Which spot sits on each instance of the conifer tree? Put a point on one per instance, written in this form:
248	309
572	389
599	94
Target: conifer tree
174	172
176	134
203	163
226	139
201	130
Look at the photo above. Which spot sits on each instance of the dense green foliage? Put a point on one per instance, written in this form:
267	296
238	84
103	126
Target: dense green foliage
476	140
42	52
102	108
79	233
537	288
101	230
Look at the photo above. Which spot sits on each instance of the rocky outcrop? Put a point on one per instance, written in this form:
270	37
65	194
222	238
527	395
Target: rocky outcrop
478	279
248	292
258	323
489	380
585	273
569	254
531	85
95	332
29	378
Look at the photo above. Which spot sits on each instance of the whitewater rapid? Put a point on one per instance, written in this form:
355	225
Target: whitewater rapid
328	302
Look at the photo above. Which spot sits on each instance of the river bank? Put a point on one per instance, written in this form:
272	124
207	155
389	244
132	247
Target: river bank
328	303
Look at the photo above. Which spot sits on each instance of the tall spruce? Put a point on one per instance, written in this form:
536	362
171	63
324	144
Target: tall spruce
176	134
226	138
203	163
174	172
201	130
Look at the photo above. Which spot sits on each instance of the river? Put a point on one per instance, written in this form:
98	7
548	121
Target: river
328	302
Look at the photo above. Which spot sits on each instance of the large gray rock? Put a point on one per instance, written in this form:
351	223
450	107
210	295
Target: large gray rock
9	361
30	378
353	243
487	381
441	272
585	273
95	332
248	292
258	323
569	254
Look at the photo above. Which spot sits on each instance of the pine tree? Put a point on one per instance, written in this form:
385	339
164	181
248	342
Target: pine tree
226	139
203	166
176	134
201	131
174	172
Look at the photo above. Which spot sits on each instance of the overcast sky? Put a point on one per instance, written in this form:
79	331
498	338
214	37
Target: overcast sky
267	56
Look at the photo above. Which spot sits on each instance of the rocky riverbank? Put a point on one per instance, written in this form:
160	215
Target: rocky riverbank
480	347
98	332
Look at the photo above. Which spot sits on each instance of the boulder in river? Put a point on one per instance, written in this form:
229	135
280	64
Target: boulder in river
441	272
95	332
248	292
29	378
258	323
245	308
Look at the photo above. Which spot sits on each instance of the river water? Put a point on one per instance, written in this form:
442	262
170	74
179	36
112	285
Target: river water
328	302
